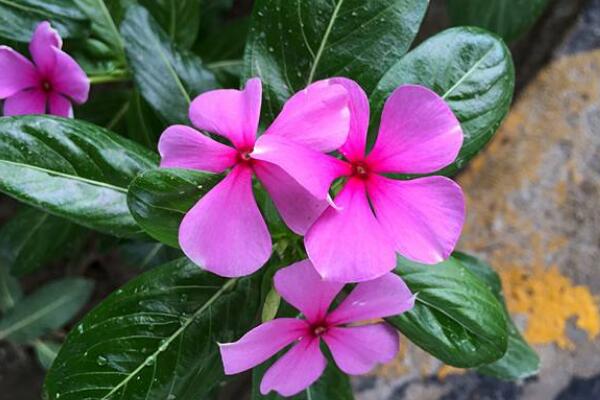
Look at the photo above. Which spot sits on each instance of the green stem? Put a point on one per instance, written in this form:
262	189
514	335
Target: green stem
117	76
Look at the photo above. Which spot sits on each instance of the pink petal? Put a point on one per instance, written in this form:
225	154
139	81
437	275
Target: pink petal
419	133
59	105
349	245
355	147
25	102
296	370
183	147
18	73
261	343
42	45
302	287
68	78
230	113
424	217
224	232
317	117
358	349
298	208
313	170
380	298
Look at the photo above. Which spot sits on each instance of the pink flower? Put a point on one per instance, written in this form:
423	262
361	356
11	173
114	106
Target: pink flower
224	232
355	349
377	216
46	86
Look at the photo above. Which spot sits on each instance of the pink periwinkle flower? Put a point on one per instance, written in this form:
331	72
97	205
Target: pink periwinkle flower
46	86
225	232
355	349
377	216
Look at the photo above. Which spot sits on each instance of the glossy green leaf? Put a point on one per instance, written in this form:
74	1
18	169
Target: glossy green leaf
456	317
158	199
45	310
180	19
520	360
72	169
155	338
507	18
167	77
333	384
143	125
146	254
46	352
32	238
10	290
471	69
19	18
293	43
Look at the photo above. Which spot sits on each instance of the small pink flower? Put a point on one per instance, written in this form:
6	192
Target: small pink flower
355	349
377	216
49	85
224	232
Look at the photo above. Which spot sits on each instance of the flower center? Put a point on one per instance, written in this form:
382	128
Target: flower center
46	86
244	156
319	330
360	170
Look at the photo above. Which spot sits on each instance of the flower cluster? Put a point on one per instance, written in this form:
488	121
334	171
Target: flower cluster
319	138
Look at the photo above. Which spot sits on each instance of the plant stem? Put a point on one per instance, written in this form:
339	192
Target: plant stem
116	76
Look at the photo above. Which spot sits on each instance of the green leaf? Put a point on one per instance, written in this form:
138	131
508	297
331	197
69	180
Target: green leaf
471	69
46	352
180	19
293	43
155	338
270	305
45	310
19	18
168	78
158	199
33	238
456	318
143	125
10	290
146	255
72	169
333	384
520	360
507	18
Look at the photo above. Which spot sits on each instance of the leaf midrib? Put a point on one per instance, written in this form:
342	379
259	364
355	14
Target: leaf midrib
65	175
167	342
328	30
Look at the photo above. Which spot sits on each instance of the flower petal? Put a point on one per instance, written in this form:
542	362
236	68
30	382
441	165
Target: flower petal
42	45
59	105
230	113
224	232
348	244
302	287
355	147
296	370
298	208
356	350
26	102
424	217
261	343
18	73
183	147
380	298
68	78
317	117
313	170
419	133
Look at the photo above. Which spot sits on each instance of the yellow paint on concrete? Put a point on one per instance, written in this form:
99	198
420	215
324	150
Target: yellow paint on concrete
549	300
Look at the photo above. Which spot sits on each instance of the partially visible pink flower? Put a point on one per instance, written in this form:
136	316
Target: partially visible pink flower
224	232
355	349
377	216
46	86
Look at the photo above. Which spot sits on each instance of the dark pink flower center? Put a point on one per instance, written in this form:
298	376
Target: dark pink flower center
360	170
244	157
46	86
319	330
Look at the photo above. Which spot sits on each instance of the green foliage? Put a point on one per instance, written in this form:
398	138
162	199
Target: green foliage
46	352
156	337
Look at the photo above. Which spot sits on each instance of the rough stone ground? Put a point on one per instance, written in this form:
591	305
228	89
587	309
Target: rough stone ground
534	214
